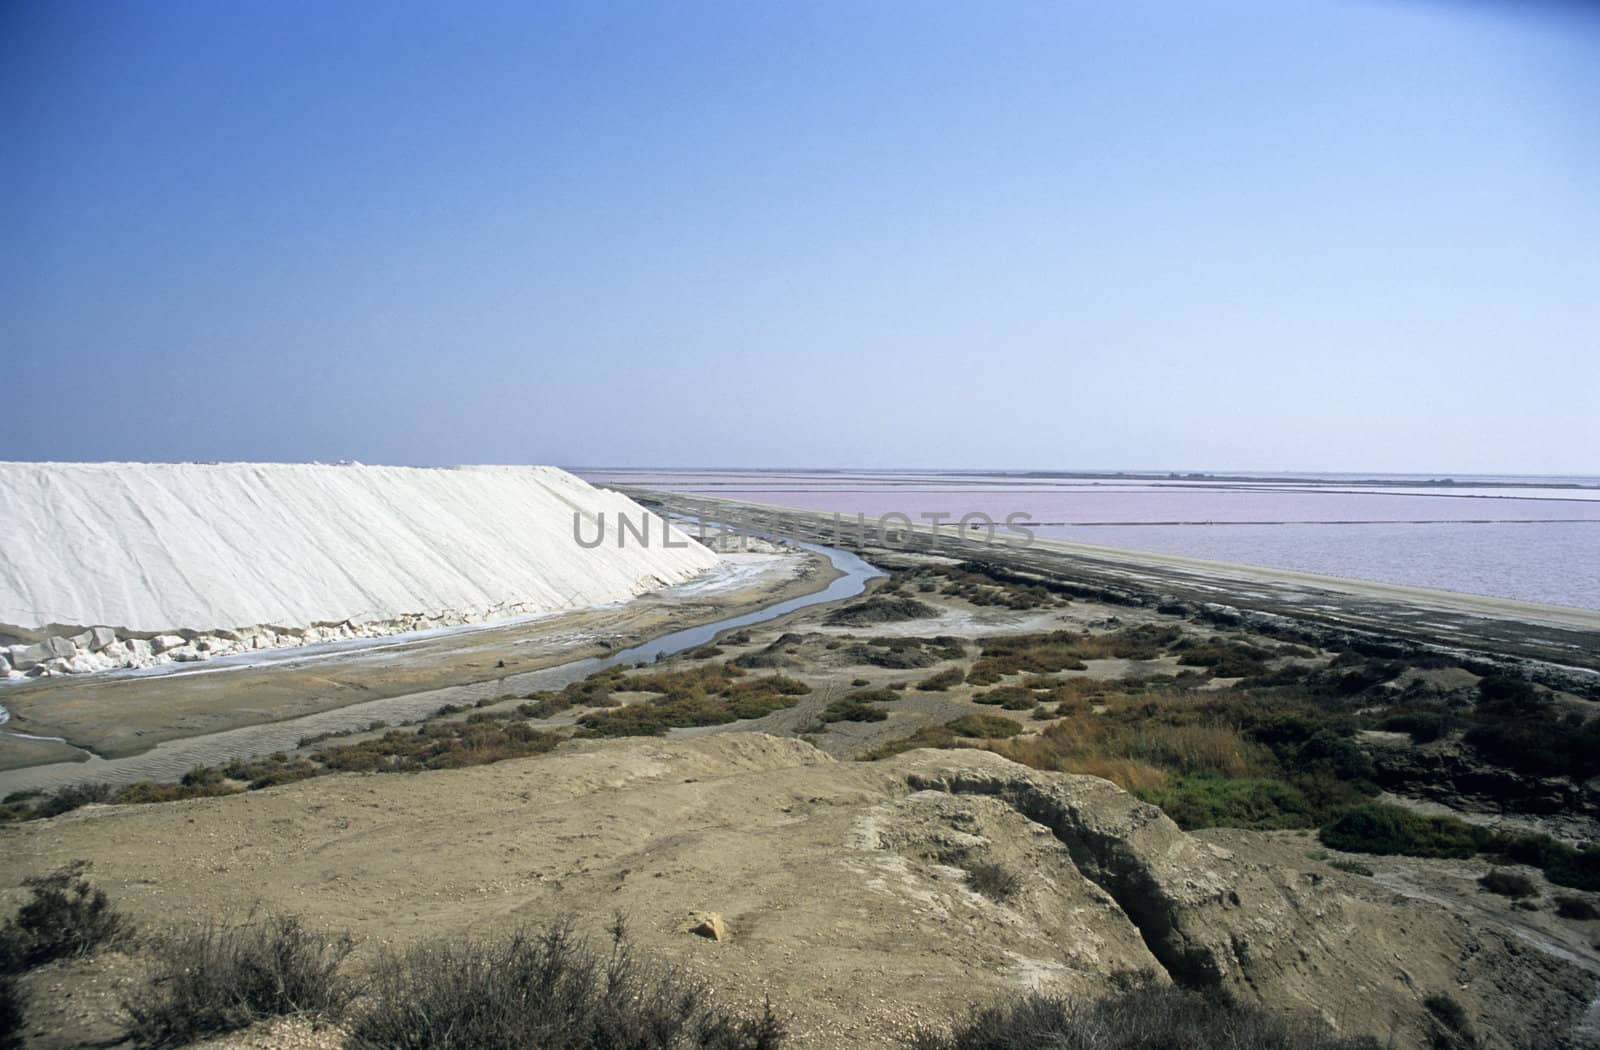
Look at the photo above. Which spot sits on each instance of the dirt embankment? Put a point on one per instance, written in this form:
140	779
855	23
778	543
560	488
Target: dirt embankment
844	887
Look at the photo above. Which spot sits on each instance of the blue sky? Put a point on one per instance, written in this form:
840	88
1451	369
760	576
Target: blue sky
1351	235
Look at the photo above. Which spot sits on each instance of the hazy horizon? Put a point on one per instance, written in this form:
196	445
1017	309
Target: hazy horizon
1338	237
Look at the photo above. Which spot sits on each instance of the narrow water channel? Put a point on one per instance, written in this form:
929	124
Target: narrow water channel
173	758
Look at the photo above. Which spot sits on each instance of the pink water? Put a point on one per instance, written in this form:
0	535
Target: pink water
1537	541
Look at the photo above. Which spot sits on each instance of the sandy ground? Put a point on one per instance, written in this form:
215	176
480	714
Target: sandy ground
125	714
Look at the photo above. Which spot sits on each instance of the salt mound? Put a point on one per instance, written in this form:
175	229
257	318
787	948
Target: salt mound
182	560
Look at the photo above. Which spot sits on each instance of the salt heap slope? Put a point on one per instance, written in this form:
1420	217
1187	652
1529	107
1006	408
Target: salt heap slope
185	560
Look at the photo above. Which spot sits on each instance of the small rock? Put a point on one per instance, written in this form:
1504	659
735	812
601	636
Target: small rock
101	638
162	642
24	657
708	924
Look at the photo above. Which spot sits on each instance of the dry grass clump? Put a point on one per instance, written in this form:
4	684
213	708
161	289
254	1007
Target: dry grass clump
548	989
219	978
1217	750
1129	774
64	917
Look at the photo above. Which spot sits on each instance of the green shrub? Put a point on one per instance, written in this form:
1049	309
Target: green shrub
711	695
881	609
1226	659
1206	801
148	791
1539	745
1010	697
984	726
64	917
1029	653
1452	1029
1508	884
546	989
62	800
1423	726
946	679
1377	827
1577	869
1576	908
1504	694
223	978
856	707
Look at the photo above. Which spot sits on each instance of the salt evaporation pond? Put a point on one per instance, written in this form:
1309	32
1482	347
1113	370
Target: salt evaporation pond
1531	539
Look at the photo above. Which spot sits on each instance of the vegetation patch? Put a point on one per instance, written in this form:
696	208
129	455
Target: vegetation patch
949	678
1141	1016
1380	828
1010	697
985	584
691	698
11	1013
1508	884
905	653
857	706
437	745
983	726
881	608
1208	800
1386	829
994	881
223	978
548	989
1066	650
64	917
1576	908
1226	659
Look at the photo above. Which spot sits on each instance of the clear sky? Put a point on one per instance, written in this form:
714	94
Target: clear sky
1322	235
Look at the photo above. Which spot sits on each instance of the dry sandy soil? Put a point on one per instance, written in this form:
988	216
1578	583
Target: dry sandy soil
841	883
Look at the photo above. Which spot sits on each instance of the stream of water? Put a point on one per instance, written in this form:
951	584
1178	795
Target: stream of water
171	759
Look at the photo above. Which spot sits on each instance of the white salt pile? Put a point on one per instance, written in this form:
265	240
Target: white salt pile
108	565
